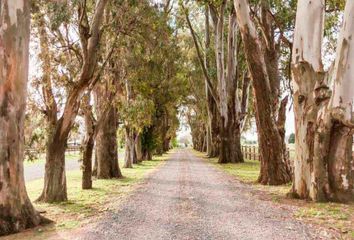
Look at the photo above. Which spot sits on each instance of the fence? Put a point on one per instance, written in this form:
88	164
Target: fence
252	153
70	148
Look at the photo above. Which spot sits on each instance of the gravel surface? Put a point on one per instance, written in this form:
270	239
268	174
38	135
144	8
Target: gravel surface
187	198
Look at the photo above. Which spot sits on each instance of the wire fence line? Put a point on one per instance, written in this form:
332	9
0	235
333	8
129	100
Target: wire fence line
252	153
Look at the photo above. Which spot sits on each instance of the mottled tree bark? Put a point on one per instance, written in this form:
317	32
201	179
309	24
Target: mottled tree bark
323	116
129	148
230	109
16	210
107	147
138	148
274	165
54	189
88	143
53	153
213	126
55	178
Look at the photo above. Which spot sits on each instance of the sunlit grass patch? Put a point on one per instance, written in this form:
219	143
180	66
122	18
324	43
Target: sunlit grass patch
246	172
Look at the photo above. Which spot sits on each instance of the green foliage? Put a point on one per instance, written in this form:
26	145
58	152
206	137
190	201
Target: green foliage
174	143
137	112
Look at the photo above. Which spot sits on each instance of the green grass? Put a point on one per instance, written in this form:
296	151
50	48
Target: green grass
331	215
84	205
246	172
336	216
41	158
69	156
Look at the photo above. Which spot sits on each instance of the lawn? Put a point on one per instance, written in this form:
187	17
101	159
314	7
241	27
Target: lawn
69	156
41	158
339	217
85	206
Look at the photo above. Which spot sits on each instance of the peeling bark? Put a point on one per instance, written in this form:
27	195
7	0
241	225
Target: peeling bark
138	148
106	139
274	164
324	137
129	148
88	143
16	210
107	148
231	118
54	180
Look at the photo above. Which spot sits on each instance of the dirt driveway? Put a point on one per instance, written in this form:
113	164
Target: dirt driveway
188	198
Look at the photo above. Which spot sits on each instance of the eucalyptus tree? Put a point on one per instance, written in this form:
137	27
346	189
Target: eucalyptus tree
262	55
123	17
323	106
86	56
230	102
153	85
16	210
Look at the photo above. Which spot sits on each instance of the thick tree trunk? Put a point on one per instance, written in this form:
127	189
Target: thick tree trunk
107	147
54	180
147	155
230	122
274	167
230	146
324	118
54	189
16	210
147	143
213	126
87	162
88	143
166	144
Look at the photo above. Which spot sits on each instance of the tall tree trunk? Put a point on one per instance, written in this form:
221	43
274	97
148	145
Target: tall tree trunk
324	118
230	119
87	161
147	143
88	143
16	210
212	129
107	147
54	178
274	167
212	96
129	148
54	189
138	148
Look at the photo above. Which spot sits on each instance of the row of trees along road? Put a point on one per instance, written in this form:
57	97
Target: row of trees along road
105	63
99	64
245	42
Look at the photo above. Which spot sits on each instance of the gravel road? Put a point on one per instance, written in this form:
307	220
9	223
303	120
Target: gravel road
187	198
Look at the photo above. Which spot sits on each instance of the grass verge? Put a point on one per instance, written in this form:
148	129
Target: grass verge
41	158
84	206
336	216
